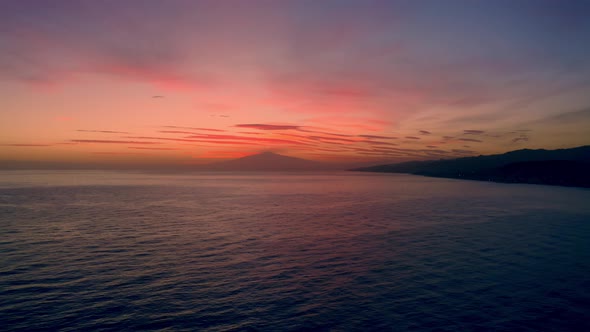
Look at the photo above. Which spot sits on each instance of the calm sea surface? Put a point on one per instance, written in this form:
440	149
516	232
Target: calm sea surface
89	251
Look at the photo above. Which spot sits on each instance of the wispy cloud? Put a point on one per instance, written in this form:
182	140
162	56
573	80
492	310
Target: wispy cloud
470	140
163	138
435	151
117	153
461	151
267	126
102	131
177	132
351	123
214	154
144	148
520	139
380	143
246	138
195	128
377	137
523	136
250	132
97	141
26	145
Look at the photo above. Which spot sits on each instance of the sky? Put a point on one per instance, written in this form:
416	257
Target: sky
145	82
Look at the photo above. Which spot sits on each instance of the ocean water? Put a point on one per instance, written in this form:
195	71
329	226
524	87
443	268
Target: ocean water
101	251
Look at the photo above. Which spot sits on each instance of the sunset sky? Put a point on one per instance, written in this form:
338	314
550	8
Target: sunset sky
192	82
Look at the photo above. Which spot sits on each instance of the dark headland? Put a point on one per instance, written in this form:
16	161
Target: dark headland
563	167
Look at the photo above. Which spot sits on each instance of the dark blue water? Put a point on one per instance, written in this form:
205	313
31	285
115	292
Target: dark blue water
89	251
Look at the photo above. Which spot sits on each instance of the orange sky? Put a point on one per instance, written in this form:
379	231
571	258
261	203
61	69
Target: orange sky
195	82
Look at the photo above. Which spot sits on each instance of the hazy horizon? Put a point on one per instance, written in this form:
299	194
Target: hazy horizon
263	163
272	161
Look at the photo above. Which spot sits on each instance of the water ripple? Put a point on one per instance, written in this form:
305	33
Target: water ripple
259	252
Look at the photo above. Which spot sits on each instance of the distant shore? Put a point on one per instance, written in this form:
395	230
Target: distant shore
564	167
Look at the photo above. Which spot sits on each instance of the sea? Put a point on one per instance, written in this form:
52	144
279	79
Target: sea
340	251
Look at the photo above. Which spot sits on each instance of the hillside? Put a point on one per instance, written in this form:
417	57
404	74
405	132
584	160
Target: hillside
568	167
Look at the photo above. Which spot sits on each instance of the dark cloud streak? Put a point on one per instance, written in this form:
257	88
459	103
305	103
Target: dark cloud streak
27	145
377	136
102	131
195	128
110	141
267	126
470	140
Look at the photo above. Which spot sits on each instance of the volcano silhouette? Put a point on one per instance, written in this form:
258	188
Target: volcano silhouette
267	161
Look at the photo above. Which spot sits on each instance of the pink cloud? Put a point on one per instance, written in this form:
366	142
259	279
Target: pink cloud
64	118
312	93
350	123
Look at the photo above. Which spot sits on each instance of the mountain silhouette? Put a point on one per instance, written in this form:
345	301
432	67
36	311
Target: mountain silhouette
566	167
267	161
